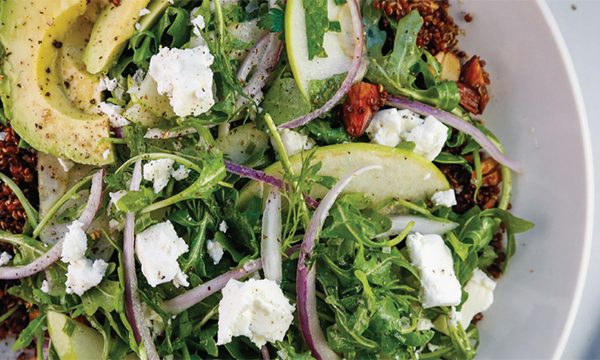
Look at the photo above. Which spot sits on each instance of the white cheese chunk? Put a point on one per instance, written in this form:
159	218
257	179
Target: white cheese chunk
293	142
256	309
158	248
385	128
444	198
107	83
223	227
429	138
84	274
181	173
114	114
424	324
144	12
215	250
159	172
481	295
185	76
5	258
433	260
390	127
74	243
45	286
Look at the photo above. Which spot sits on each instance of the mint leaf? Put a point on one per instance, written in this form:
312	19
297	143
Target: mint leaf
274	20
317	24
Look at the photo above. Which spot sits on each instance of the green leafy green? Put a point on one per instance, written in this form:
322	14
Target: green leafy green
399	70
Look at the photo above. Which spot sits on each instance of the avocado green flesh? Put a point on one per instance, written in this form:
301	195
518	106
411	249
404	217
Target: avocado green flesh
113	29
80	86
405	175
32	87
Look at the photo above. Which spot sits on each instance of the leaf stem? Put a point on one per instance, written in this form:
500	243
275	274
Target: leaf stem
32	214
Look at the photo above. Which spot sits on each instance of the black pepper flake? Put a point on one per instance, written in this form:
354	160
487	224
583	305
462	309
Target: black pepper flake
57	44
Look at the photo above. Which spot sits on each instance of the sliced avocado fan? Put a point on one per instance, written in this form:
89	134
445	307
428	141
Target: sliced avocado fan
32	87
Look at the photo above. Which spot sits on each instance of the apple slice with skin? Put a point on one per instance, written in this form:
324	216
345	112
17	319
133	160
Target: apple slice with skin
337	60
405	175
84	342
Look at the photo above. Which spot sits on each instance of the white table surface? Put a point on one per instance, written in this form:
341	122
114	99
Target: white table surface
578	22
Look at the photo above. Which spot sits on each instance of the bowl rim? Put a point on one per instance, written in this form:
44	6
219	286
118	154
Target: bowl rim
589	175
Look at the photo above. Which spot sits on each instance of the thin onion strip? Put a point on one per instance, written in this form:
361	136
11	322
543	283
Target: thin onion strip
305	277
459	124
352	72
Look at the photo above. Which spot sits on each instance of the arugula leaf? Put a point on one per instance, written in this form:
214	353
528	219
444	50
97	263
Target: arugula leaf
320	91
399	70
514	225
328	131
32	330
284	102
102	296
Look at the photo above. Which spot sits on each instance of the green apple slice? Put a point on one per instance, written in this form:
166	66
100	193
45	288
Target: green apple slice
405	175
337	60
84	342
236	145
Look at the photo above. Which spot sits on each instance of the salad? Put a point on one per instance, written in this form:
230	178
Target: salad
252	179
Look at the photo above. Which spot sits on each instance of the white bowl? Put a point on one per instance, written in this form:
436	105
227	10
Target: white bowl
537	111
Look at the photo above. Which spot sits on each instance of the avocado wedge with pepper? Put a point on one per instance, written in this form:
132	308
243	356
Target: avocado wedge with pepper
32	86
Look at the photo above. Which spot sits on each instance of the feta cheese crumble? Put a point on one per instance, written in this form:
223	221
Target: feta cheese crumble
181	173
433	260
429	138
158	248
389	127
185	76
45	287
107	83
74	243
481	296
144	12
5	258
215	250
256	309
84	274
114	114
106	154
293	142
444	198
159	172
424	324
223	227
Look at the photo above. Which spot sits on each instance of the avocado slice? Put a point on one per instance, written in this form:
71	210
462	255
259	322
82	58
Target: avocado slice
80	86
113	29
32	87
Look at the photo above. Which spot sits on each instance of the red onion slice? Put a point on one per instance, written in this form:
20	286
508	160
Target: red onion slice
305	277
270	244
50	257
252	59
458	124
93	204
135	314
354	67
258	175
201	292
265	65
